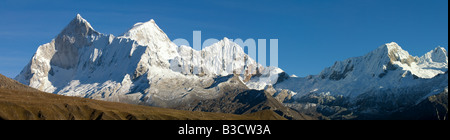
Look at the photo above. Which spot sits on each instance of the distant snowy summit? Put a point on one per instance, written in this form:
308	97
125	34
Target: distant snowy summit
388	66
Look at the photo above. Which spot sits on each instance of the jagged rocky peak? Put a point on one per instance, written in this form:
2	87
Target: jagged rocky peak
394	53
438	55
78	27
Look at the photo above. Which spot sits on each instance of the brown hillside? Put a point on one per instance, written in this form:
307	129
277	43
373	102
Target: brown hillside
19	102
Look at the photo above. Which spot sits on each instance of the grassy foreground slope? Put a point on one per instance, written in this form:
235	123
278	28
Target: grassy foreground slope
19	102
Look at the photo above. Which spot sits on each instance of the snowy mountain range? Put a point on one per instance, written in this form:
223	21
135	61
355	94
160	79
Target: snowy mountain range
143	66
382	82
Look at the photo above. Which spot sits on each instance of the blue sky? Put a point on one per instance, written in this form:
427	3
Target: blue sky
312	34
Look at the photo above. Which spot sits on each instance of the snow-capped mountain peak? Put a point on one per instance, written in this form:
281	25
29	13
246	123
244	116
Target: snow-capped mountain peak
83	62
382	68
389	57
396	53
159	50
391	52
375	63
384	80
144	67
438	55
82	20
146	32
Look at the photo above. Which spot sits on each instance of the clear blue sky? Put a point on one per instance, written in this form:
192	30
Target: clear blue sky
312	34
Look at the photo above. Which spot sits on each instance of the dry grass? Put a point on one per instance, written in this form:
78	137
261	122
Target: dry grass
26	105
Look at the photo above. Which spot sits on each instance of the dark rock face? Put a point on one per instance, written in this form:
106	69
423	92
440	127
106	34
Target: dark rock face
341	75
